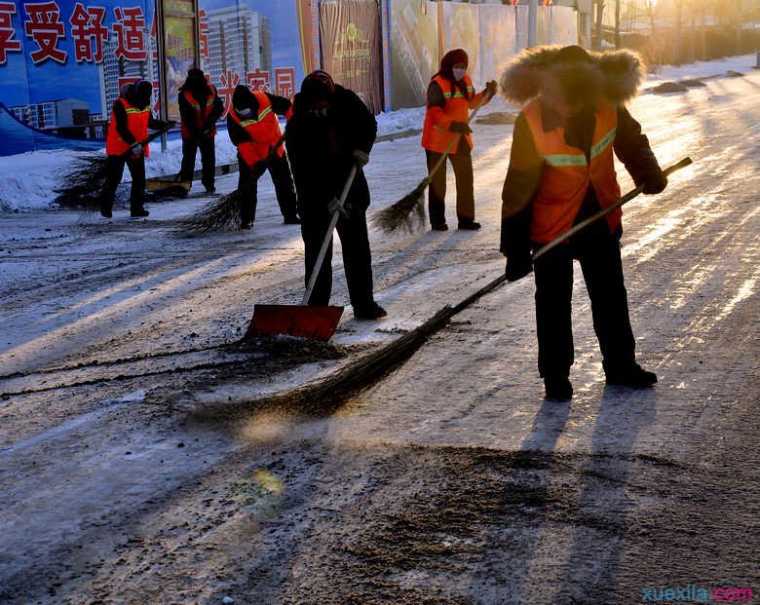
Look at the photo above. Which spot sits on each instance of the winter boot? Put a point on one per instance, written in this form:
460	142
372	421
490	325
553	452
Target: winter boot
441	227
558	388
139	213
373	311
468	226
246	225
105	211
633	376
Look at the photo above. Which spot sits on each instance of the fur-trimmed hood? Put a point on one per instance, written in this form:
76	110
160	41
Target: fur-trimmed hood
614	75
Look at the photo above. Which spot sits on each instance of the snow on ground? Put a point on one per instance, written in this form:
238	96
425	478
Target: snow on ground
28	180
448	481
701	69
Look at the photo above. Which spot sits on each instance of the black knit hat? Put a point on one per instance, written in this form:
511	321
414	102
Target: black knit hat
318	85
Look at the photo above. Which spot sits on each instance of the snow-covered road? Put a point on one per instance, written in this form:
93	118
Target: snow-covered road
451	481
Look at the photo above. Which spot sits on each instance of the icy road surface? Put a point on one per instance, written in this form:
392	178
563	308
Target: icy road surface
451	481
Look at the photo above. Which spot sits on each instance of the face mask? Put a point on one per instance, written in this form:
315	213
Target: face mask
459	74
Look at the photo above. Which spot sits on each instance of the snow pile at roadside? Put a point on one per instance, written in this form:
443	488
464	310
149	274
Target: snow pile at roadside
28	180
701	69
401	120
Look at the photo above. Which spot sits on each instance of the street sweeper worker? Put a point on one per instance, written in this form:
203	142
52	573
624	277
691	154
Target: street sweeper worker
450	97
131	117
331	131
199	108
562	171
253	128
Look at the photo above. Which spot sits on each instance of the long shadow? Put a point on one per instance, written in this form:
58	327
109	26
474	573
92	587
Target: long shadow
537	448
592	567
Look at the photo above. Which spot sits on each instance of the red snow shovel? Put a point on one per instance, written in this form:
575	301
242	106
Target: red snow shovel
304	320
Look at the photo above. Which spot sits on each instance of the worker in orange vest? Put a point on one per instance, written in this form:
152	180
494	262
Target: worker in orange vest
562	171
253	128
131	117
450	97
199	108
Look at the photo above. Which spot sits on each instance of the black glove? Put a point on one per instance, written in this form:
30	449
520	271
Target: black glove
518	266
460	128
655	183
491	88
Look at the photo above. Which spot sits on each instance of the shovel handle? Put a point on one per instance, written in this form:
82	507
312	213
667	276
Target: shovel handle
317	269
602	213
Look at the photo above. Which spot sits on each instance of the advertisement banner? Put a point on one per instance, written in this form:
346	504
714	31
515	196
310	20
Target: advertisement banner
62	63
179	34
253	42
414	50
351	47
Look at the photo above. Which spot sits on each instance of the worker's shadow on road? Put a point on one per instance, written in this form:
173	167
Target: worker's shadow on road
596	510
592	565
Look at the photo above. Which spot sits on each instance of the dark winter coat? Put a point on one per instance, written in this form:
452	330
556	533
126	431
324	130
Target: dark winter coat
616	77
320	149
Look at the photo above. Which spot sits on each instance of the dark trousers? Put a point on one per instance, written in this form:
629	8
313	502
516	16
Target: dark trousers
599	257
115	171
248	184
357	258
462	163
190	148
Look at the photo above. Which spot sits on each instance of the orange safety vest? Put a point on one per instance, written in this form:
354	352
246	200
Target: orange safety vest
567	174
263	129
137	123
435	133
202	112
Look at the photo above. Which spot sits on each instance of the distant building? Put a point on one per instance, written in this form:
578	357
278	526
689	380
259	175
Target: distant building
115	71
54	114
239	40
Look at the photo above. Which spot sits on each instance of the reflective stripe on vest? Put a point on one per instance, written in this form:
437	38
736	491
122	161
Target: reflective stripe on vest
263	130
436	137
202	112
567	173
137	124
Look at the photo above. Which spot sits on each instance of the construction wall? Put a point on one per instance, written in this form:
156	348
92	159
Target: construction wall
422	31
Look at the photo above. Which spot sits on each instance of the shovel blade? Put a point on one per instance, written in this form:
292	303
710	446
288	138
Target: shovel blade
315	322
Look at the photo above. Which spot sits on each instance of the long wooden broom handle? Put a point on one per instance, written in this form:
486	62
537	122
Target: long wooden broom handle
328	236
602	213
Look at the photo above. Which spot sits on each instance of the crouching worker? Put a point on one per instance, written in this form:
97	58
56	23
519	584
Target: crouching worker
199	107
131	117
562	171
331	131
253	128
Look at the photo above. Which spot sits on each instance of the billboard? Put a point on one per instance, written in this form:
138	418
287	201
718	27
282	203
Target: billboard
62	61
253	42
351	47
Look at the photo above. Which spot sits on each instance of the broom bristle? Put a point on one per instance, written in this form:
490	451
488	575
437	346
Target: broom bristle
82	187
408	213
221	215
